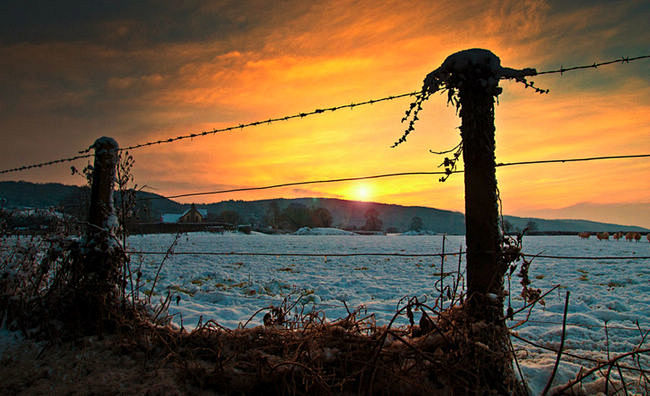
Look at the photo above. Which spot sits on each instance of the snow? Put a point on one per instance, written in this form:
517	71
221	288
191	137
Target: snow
423	232
230	288
322	231
463	60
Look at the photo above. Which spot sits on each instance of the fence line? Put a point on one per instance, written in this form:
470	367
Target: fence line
594	65
501	164
379	254
149	252
586	257
345	179
586	325
42	164
392	311
424	173
300	254
269	121
84	152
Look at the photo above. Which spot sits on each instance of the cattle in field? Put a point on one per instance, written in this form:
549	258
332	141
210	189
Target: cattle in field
584	235
617	235
648	237
633	236
602	235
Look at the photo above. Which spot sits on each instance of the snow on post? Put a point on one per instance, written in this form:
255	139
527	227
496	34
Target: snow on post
475	75
99	286
471	79
101	200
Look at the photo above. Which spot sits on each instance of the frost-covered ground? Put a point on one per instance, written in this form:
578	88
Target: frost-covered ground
230	288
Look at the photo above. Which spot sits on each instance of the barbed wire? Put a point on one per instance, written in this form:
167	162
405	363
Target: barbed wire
423	173
294	184
300	254
585	325
573	355
269	121
594	65
586	257
358	254
501	164
363	254
42	164
84	153
351	105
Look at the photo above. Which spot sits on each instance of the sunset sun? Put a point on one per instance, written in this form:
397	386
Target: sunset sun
362	192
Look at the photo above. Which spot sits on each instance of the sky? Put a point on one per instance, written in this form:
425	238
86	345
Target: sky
73	71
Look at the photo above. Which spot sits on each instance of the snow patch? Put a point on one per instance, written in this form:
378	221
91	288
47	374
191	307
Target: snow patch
322	231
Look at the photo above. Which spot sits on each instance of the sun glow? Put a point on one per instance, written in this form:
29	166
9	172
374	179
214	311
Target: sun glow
362	192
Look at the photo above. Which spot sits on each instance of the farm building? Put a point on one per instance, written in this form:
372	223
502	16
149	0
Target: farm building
192	215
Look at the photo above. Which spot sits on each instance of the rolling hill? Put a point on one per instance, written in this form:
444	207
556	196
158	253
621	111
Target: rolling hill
345	214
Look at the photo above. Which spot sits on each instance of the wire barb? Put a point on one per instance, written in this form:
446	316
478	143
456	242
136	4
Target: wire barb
300	115
42	164
85	153
623	59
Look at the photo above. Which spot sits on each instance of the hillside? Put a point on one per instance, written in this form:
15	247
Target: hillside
34	195
16	195
345	214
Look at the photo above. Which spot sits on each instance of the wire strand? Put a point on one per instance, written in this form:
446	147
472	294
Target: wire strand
587	257
294	184
594	65
585	325
269	121
501	164
381	254
561	70
300	254
424	173
85	152
42	164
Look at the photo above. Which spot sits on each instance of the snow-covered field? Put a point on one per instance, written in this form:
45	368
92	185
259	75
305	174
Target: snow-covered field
229	289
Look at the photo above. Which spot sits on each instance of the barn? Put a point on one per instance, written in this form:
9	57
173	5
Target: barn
192	215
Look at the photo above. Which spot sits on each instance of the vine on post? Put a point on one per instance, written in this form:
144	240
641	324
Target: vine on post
471	79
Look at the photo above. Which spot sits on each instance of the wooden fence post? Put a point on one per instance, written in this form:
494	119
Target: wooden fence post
471	79
484	272
475	74
101	196
102	264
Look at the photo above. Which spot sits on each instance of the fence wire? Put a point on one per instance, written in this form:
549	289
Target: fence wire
422	173
594	65
42	164
84	152
527	255
299	254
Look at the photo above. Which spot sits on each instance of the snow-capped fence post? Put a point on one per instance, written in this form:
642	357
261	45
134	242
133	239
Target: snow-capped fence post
101	195
475	75
98	287
471	79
